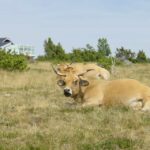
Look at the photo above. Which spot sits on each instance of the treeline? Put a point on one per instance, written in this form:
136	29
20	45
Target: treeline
89	53
56	53
101	54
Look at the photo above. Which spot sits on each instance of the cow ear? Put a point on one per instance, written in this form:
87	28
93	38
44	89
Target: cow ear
84	82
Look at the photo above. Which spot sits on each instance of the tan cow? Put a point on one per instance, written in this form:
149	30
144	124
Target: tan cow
78	68
128	92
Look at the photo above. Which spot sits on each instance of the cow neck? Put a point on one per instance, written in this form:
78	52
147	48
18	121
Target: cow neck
80	95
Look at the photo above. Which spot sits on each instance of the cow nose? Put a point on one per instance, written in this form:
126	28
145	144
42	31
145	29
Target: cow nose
67	92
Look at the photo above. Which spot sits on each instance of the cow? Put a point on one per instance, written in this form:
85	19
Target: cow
77	68
128	92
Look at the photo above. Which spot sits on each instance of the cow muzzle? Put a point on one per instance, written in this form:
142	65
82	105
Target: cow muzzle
67	92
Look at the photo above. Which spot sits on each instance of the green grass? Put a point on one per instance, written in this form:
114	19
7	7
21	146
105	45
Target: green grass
110	144
34	116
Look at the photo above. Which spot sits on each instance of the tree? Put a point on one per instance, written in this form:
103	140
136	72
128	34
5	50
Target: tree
89	47
77	55
103	47
53	51
89	53
49	48
141	56
59	52
125	54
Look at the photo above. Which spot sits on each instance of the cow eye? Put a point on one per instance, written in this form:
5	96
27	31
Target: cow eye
61	82
75	82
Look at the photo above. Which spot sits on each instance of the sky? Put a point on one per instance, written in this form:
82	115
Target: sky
74	23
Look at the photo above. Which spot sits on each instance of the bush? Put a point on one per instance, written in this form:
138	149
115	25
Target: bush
105	62
12	62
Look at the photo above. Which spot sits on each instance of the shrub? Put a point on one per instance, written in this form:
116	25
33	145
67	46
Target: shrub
105	62
12	62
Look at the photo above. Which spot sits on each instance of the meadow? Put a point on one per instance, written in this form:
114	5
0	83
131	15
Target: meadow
34	116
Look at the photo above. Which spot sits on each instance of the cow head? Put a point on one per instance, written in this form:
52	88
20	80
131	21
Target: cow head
71	83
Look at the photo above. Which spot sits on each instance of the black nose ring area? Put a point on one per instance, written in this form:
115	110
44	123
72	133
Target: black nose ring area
67	92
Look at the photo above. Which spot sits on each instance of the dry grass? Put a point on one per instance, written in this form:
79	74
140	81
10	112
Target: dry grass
33	115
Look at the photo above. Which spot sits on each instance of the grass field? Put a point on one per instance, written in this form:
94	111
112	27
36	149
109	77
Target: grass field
33	115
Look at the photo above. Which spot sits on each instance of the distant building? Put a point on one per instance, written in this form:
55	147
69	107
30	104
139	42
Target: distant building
5	42
8	45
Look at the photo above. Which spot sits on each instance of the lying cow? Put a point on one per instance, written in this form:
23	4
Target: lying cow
78	68
128	92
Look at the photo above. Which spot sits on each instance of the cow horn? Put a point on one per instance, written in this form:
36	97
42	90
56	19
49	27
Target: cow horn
58	73
81	74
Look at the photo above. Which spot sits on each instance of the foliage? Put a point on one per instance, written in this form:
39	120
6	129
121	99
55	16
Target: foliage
141	57
42	58
82	54
52	51
89	47
12	62
87	54
59	51
110	144
76	55
103	47
105	62
56	53
49	47
125	54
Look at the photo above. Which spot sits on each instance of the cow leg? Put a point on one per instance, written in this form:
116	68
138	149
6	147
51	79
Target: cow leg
86	104
91	103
